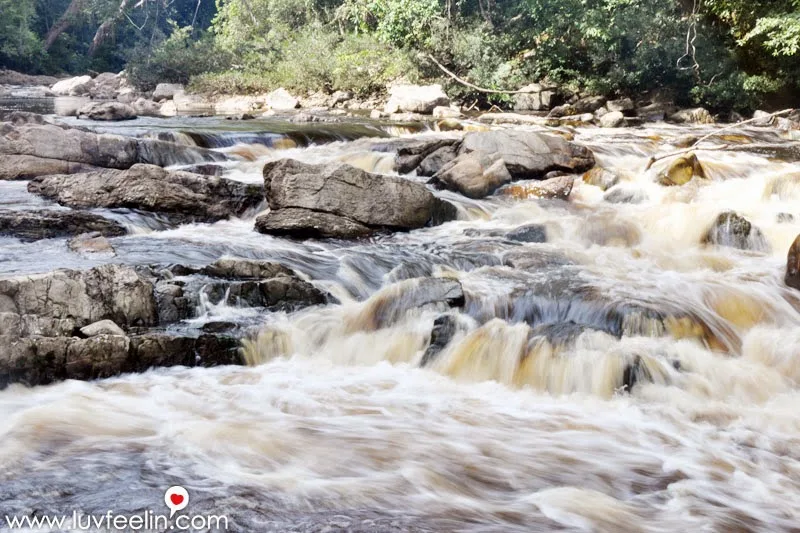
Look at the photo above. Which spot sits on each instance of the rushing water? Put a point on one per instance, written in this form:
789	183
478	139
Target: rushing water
521	424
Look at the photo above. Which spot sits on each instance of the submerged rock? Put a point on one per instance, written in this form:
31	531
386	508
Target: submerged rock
792	278
91	244
47	224
348	200
733	230
558	188
444	330
681	170
600	177
531	233
391	304
150	188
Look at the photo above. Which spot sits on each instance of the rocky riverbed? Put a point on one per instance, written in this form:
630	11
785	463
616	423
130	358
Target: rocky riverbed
483	327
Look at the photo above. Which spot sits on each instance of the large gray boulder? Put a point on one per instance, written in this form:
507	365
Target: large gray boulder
733	230
77	86
486	161
369	200
183	195
536	98
80	298
32	225
308	224
416	99
107	111
167	90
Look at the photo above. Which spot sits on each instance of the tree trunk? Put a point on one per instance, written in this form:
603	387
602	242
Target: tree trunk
63	23
106	28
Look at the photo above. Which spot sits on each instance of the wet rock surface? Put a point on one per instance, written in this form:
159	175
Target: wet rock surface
733	230
33	225
182	195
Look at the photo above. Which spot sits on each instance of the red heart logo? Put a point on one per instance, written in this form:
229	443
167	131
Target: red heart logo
176	499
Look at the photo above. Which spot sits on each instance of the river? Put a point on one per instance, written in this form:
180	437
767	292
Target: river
520	424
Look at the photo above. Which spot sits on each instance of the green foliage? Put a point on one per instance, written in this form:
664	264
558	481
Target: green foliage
175	60
406	23
18	43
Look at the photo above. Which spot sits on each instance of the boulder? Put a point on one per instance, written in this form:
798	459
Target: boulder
528	154
281	100
184	196
656	111
565	110
234	268
445	328
307	224
107	111
681	170
446	112
40	361
623	105
733	230
536	233
612	119
106	85
25	167
792	278
146	108
344	191
416	99
697	115
475	175
47	224
103	327
114	292
600	177
590	104
166	91
536	99
393	303
558	188
78	86
435	161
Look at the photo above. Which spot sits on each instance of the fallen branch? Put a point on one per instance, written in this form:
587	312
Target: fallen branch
714	133
481	89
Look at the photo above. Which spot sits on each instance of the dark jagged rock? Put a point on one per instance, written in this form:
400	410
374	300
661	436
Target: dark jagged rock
445	328
435	161
48	224
42	360
792	278
183	195
733	230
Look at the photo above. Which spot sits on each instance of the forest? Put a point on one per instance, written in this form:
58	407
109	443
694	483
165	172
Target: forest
722	54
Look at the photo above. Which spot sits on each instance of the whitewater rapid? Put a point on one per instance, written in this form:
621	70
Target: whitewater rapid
522	423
